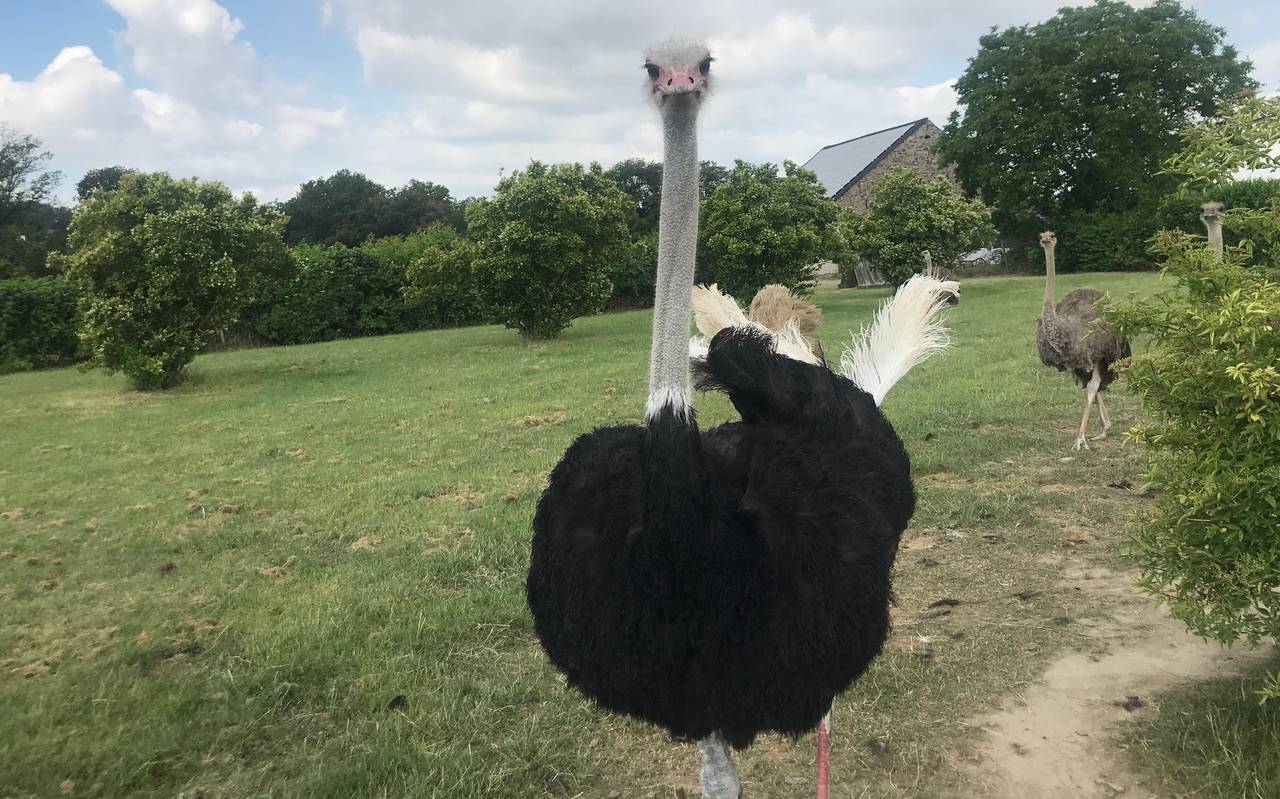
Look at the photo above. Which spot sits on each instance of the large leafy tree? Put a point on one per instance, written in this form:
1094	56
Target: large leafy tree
348	208
344	208
910	213
166	263
106	178
1079	112
545	243
30	227
25	179
761	227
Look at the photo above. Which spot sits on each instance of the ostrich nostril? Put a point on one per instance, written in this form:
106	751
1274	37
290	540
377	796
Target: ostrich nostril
670	80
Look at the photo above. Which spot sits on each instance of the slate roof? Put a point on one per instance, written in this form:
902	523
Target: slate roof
839	166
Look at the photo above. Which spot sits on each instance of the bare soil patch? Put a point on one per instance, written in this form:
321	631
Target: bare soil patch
1061	737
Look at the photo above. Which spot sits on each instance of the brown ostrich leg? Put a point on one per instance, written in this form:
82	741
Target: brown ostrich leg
1091	391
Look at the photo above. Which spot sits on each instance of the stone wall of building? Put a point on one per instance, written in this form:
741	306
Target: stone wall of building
914	153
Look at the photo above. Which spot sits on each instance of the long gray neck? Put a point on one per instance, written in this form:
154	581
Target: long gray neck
1049	269
677	247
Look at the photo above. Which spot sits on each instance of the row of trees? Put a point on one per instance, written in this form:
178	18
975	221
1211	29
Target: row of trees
160	266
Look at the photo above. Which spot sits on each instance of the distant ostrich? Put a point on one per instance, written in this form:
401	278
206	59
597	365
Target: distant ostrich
941	274
1070	338
1211	215
725	583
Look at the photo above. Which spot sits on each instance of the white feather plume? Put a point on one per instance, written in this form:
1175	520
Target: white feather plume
907	329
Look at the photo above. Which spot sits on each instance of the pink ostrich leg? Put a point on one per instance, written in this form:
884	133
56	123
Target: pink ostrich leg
824	752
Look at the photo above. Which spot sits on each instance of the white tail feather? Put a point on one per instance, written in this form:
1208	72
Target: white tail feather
907	329
713	311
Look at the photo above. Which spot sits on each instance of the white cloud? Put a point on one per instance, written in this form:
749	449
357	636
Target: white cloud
456	94
190	49
296	126
166	115
71	99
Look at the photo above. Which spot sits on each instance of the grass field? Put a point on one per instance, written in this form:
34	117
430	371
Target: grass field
224	589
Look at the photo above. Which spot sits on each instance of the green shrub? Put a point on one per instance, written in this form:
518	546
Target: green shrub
544	245
635	275
1104	241
760	227
1210	382
909	214
443	288
335	292
1211	385
166	264
37	323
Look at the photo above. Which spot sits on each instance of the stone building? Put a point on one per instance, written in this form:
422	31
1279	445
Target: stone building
850	170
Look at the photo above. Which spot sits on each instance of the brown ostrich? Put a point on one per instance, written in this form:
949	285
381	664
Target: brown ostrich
1070	338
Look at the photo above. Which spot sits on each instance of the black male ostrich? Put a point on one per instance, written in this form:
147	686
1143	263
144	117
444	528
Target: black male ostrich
726	583
1071	338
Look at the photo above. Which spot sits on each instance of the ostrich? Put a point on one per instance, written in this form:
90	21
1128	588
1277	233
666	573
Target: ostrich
724	583
1070	338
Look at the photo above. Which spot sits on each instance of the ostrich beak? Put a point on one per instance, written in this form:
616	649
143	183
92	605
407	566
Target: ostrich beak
680	81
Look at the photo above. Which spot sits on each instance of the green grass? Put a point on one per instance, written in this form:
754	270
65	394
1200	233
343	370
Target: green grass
219	589
1214	741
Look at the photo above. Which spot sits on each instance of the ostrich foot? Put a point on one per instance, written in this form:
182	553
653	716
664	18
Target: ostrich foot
1099	436
1081	444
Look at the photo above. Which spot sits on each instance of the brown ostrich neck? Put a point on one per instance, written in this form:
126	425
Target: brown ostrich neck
1049	287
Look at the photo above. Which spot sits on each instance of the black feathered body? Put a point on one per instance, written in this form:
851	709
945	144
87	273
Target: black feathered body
1073	338
735	580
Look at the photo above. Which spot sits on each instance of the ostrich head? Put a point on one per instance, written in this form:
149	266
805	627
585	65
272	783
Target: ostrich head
678	70
1048	240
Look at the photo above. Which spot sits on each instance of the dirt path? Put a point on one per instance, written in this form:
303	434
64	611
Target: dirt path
1060	738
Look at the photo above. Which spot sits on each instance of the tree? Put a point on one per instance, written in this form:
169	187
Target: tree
344	208
908	214
545	244
442	287
760	227
1210	386
711	176
166	263
418	205
105	178
30	227
24	180
1079	112
640	180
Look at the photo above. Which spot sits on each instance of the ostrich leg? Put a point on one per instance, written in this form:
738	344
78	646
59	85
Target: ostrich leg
824	756
719	777
1092	391
1102	414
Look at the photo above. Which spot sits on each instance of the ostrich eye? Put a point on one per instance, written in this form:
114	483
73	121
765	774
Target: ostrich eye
652	70
705	66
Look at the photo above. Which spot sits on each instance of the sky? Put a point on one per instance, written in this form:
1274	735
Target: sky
264	95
